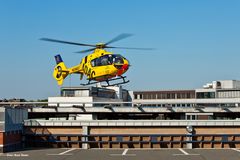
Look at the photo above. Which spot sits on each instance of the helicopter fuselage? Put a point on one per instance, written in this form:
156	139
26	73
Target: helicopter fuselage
102	65
98	66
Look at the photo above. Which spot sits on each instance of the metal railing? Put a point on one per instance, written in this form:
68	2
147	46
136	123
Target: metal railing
72	123
139	101
115	104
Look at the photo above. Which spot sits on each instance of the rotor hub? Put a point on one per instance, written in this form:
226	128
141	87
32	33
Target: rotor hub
100	45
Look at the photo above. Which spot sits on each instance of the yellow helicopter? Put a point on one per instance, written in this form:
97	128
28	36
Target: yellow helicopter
99	66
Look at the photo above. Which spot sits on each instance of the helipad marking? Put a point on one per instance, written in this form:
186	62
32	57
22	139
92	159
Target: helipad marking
63	153
235	149
123	154
184	153
67	151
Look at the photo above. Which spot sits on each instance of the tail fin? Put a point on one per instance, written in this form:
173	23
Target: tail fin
60	70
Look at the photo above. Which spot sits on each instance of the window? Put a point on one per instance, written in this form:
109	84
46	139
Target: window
68	93
145	96
178	96
149	96
119	138
154	96
183	95
153	138
107	60
102	61
168	96
117	59
206	95
135	96
164	96
225	138
93	63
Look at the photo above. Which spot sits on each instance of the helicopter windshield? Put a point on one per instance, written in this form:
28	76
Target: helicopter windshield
107	60
117	59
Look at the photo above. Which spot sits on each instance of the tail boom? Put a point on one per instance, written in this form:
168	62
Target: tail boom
61	71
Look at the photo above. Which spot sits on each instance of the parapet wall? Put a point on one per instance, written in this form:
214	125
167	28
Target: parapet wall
133	134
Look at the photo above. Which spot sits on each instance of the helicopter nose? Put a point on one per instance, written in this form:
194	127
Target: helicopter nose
125	67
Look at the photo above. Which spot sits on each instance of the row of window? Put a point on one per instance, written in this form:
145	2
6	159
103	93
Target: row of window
155	138
199	95
165	96
206	95
152	138
228	94
167	105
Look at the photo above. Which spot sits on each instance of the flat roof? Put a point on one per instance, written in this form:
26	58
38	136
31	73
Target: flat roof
142	123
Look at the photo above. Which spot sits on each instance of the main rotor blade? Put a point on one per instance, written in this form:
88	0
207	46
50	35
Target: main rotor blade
87	50
66	42
131	48
119	37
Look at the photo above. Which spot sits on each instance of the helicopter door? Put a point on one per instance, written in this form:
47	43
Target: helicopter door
101	65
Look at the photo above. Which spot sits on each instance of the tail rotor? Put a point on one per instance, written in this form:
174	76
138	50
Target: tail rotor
60	70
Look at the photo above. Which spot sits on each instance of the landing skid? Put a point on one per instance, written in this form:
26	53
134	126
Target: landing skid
124	81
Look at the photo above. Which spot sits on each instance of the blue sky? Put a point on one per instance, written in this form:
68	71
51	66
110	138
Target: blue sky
196	41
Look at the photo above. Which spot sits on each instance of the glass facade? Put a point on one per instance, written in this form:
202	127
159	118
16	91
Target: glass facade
201	95
228	94
188	94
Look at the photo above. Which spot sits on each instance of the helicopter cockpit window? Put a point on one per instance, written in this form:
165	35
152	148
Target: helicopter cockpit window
93	63
102	61
117	59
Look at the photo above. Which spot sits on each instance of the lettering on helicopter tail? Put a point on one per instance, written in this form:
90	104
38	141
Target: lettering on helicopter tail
58	59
